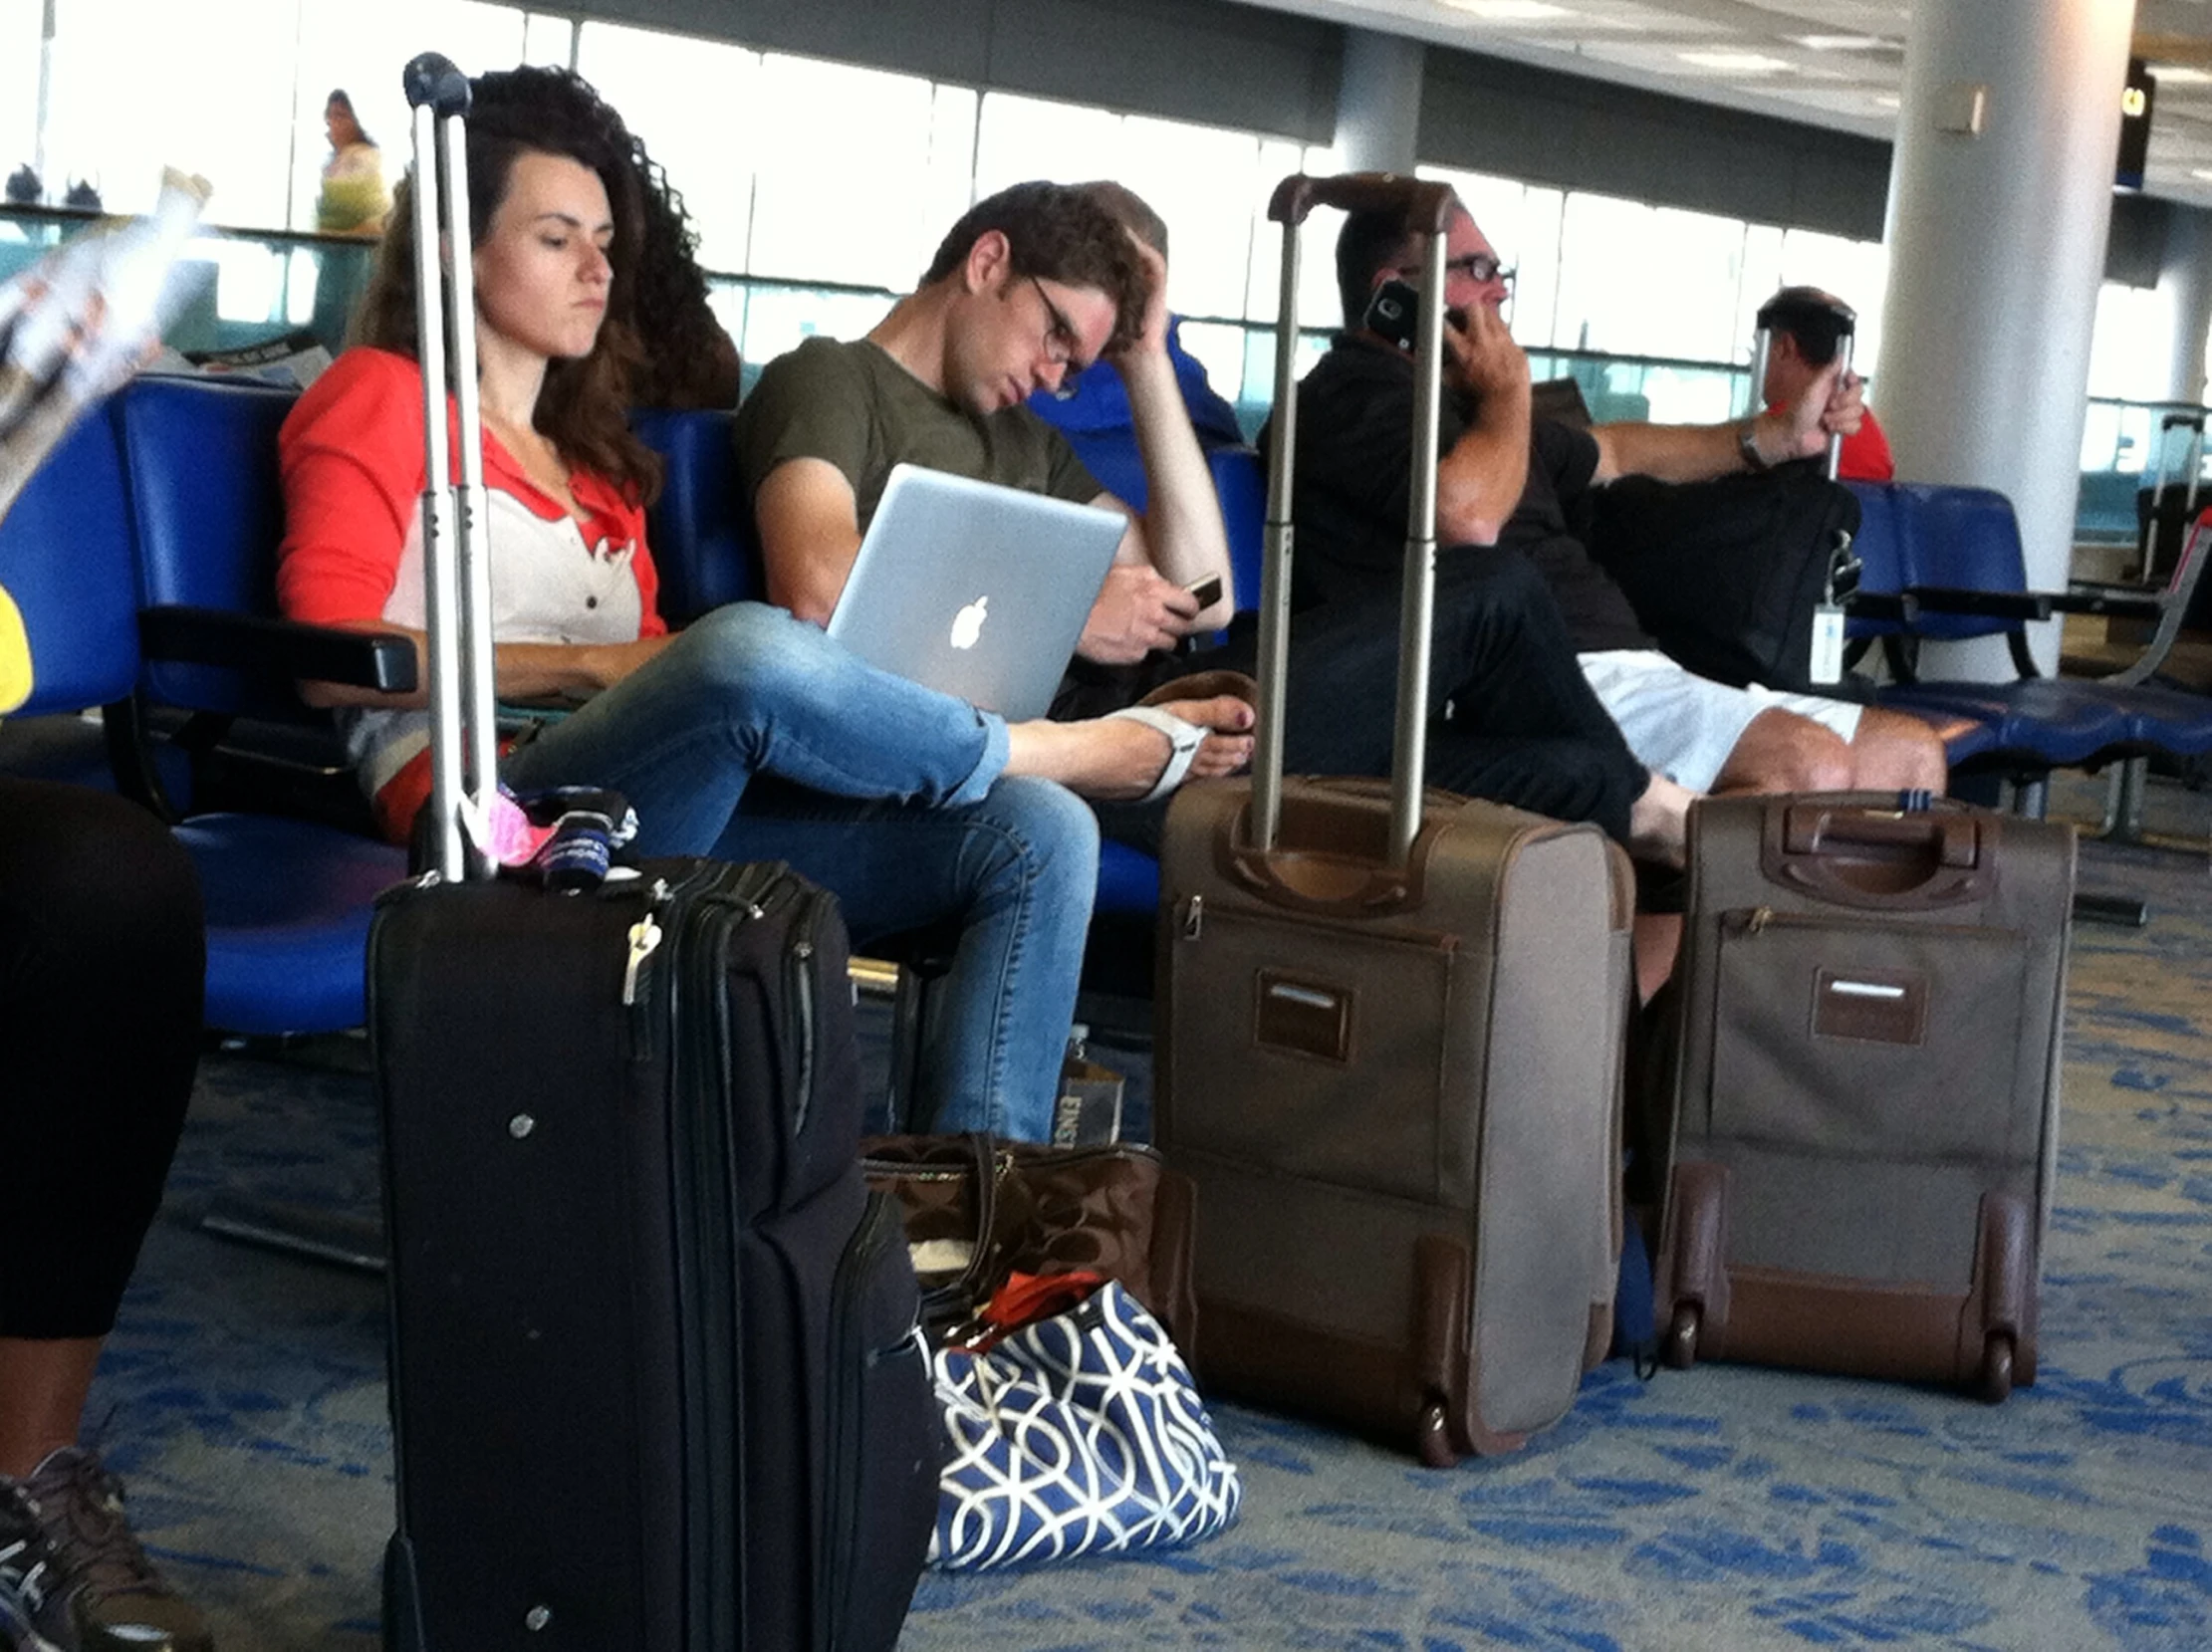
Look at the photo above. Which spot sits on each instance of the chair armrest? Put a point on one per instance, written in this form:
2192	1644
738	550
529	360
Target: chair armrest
382	661
2118	603
1985	604
1900	606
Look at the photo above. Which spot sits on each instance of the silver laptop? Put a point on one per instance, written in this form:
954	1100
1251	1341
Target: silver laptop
975	589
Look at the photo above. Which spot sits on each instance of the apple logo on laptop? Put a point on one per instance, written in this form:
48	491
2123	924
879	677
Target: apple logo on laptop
968	624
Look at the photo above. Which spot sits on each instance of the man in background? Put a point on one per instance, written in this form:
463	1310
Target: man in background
1804	328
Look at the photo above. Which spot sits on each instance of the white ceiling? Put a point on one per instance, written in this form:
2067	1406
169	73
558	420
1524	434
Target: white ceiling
1826	63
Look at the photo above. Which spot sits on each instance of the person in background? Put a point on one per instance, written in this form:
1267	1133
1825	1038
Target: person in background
1805	327
353	199
686	358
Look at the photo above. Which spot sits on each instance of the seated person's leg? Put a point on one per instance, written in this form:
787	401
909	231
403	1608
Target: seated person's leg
1779	751
1014	872
101	945
1894	751
749	690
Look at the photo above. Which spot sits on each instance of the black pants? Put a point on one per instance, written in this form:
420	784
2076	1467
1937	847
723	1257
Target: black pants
1510	716
102	954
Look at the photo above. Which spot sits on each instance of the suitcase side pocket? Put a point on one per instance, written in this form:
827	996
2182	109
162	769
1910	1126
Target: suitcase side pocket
882	1464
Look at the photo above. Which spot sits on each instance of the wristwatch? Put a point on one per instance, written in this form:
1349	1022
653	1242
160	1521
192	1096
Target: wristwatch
1748	447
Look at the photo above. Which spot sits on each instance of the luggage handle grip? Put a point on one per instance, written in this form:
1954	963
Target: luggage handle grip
1808	829
1427	206
1918	860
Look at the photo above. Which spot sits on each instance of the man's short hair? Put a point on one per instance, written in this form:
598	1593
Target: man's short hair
1369	242
1057	232
1818	321
1134	212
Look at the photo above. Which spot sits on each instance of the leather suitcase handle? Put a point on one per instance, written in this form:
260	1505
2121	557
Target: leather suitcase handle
1427	206
1859	850
1954	840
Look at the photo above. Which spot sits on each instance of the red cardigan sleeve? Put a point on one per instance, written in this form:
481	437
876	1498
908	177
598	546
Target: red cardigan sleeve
350	455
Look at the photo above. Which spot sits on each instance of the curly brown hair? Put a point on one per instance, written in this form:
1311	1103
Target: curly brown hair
1059	232
685	354
582	404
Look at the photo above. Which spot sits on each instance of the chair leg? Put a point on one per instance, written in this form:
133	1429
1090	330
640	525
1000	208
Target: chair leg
906	989
2123	808
301	1232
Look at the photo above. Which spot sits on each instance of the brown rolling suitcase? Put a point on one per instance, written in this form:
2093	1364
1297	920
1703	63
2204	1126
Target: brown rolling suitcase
1390	1040
1867	1088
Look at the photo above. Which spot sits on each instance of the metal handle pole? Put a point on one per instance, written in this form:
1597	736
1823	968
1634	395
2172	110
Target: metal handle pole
1275	568
441	588
1417	608
471	542
1836	438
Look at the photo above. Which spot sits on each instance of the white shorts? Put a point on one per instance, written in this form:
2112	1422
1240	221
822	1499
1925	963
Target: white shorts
1684	726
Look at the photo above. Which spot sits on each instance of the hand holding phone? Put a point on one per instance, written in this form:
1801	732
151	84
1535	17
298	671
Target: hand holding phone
1207	590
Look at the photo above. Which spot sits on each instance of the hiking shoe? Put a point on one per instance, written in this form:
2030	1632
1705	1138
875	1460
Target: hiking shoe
100	1592
24	1572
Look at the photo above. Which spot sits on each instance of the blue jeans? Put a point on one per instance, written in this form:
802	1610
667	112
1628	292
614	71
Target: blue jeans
890	797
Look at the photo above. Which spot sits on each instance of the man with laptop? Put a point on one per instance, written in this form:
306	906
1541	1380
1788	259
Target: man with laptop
1038	282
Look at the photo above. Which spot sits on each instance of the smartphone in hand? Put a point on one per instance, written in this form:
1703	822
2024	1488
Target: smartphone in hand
1207	590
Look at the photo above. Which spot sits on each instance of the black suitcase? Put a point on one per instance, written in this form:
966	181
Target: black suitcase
655	1379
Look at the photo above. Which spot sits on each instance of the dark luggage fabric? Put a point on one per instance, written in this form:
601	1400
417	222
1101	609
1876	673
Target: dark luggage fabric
1867	1088
1725	573
1390	1040
655	1383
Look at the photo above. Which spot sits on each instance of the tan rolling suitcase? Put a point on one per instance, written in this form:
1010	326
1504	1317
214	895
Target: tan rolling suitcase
1390	1040
1867	1088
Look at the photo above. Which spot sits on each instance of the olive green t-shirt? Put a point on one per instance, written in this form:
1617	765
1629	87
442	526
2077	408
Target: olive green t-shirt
850	403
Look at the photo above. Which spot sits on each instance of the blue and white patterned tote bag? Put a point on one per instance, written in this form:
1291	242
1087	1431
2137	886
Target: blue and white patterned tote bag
1079	1433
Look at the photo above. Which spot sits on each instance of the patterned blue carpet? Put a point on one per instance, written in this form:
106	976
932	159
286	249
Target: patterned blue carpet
243	1399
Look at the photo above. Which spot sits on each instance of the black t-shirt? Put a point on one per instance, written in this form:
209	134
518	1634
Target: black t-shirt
1354	479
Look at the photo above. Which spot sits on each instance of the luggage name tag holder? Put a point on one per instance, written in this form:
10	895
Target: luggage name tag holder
1827	664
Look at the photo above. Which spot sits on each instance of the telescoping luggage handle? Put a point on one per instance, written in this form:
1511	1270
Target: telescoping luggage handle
464	754
1427	208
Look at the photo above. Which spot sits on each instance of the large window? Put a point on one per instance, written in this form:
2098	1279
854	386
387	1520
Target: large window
22	22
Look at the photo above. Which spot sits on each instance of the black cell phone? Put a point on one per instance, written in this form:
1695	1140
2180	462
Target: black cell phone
1207	590
1395	313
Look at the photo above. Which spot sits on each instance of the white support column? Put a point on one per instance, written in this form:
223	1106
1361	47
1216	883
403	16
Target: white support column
2000	202
2185	286
1378	102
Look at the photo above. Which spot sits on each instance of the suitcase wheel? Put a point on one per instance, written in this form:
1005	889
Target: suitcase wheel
1433	1439
1995	1382
1678	1351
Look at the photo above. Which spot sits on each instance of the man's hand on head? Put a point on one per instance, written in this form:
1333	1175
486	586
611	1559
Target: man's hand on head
1151	335
1137	612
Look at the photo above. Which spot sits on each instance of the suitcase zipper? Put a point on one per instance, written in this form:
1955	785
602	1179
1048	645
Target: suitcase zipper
799	974
881	1225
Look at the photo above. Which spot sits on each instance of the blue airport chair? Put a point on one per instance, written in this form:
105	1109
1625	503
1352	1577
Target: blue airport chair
1945	562
700	530
288	900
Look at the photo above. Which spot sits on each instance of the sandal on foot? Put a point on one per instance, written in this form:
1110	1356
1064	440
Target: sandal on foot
1183	741
1206	685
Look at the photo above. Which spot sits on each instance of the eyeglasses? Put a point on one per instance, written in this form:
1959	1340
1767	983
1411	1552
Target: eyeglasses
1475	266
1063	343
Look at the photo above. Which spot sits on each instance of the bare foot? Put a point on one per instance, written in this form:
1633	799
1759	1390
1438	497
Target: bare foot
1658	822
1114	757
